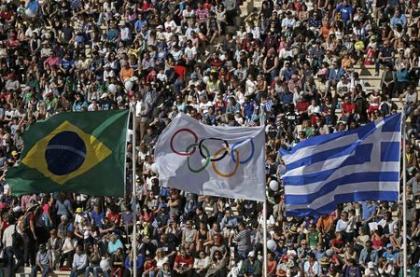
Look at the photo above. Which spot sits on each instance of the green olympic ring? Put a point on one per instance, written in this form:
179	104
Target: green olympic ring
207	159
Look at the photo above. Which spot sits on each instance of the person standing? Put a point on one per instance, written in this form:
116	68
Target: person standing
12	241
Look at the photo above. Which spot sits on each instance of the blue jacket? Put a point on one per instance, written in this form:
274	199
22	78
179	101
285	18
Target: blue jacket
335	74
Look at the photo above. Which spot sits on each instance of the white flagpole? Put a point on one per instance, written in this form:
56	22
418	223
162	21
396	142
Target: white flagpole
265	237
134	196
404	198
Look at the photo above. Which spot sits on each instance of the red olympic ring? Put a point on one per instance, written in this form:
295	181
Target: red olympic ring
184	153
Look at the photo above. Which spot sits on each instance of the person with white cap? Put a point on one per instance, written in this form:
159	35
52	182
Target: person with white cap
251	267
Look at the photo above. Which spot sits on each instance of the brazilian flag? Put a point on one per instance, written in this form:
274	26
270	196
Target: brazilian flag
81	152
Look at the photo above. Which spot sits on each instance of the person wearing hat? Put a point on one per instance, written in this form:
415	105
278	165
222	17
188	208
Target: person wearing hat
389	255
43	262
251	267
105	103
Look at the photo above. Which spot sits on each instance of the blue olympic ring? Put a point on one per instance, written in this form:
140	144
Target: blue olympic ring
235	145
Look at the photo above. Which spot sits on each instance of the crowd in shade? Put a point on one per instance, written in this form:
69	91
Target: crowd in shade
290	65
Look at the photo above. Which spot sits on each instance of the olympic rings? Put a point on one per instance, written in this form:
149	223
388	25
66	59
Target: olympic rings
207	158
220	154
235	145
186	153
226	175
218	158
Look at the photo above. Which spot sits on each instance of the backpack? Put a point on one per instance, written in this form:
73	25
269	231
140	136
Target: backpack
17	239
26	224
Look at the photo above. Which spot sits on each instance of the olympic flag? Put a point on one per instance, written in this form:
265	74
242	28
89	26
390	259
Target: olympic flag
218	161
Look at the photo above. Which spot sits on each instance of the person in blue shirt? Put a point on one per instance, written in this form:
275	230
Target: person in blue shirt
32	8
67	64
140	23
368	210
286	96
97	216
389	255
229	221
114	244
346	11
128	263
79	104
314	20
248	108
334	75
398	19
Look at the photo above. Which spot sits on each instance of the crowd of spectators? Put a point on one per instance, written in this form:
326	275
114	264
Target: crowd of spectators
290	65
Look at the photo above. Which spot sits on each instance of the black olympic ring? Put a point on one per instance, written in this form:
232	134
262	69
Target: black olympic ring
200	147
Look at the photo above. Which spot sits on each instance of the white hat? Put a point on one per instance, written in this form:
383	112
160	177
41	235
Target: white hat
104	95
251	254
371	265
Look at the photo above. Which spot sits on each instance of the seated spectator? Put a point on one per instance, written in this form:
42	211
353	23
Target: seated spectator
183	265
114	244
43	262
251	266
79	263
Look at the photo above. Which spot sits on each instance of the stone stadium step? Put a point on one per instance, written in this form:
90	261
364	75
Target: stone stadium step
56	273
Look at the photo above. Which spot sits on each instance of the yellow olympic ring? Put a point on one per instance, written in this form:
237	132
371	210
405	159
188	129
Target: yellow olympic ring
227	175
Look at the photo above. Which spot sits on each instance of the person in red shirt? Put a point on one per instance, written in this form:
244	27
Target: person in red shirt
149	265
114	215
337	244
183	264
347	109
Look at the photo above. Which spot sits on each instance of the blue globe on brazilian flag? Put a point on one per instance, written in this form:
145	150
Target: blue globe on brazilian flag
80	152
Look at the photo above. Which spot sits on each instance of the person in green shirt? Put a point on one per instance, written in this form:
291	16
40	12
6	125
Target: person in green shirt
313	237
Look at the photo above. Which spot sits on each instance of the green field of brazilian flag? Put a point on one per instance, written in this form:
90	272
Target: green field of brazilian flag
80	152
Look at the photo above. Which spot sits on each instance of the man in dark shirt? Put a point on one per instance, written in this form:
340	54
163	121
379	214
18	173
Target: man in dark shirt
386	52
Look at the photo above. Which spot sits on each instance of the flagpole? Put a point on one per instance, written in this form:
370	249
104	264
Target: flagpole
265	237
134	196
404	199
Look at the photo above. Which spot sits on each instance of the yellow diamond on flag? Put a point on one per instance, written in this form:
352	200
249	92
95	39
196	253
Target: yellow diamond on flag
65	153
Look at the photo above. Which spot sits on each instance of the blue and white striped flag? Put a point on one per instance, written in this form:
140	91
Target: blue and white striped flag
355	165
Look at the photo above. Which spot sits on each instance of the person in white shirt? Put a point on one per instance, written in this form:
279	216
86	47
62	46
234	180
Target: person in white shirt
343	87
415	184
125	33
170	23
67	250
312	267
250	86
314	108
13	254
201	264
190	52
289	21
79	262
342	223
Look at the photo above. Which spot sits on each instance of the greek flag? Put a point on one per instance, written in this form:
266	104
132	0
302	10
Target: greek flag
355	165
